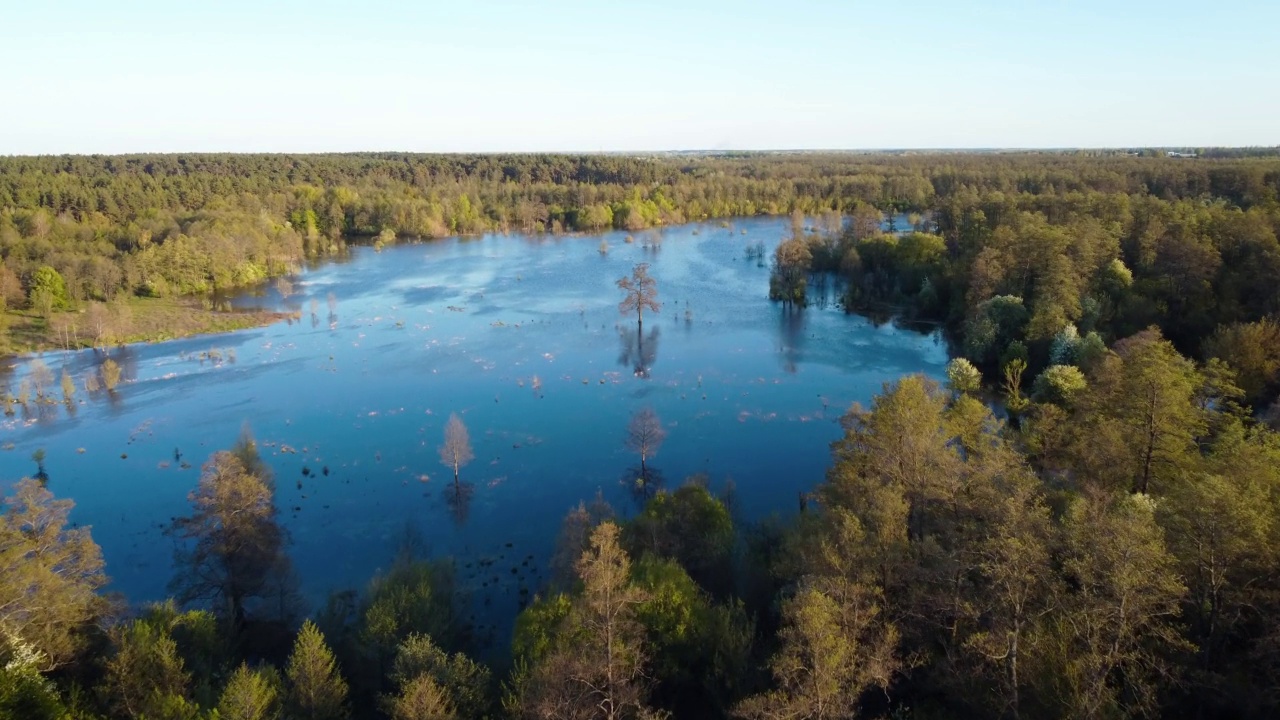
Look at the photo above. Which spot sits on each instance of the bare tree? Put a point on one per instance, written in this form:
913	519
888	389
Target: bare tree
456	450
41	376
645	435
642	292
98	318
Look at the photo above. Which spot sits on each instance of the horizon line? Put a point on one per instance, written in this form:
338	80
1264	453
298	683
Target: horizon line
688	151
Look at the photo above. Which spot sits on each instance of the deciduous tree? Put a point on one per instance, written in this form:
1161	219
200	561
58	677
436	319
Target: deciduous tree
640	293
316	688
835	644
595	667
456	450
231	547
644	436
250	694
50	575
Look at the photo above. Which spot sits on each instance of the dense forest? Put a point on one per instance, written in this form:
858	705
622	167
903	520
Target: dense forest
1194	237
1082	522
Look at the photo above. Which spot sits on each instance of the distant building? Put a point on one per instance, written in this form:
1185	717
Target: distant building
1175	153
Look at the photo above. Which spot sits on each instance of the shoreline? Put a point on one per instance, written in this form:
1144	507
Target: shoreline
160	320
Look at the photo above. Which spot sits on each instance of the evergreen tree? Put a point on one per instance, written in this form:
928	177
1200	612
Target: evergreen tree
316	688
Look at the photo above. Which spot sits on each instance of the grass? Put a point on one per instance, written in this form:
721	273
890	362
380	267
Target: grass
153	320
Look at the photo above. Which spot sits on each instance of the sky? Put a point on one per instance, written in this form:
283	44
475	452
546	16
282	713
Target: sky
90	76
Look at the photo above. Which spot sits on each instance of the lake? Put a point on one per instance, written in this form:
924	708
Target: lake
519	335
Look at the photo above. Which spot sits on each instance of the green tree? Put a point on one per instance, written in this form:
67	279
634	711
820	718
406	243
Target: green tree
595	665
993	324
146	676
787	280
250	694
316	688
421	698
25	694
1220	528
461	684
1119	621
1016	591
1253	349
1149	402
700	651
49	286
690	526
50	575
413	597
835	645
1060	384
963	377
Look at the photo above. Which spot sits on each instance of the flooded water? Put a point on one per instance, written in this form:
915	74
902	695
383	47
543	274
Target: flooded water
521	336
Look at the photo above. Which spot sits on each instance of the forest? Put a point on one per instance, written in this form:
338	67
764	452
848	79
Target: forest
1083	521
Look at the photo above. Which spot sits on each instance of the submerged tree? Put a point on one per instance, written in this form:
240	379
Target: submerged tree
456	450
458	498
639	349
641	293
644	436
110	374
236	546
791	261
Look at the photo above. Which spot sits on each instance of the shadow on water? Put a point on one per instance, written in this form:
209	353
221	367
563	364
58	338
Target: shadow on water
458	497
639	350
642	482
791	337
365	396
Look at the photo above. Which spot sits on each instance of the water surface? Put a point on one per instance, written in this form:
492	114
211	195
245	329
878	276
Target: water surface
399	339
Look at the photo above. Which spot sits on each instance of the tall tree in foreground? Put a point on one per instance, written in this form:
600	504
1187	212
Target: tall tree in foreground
434	684
1141	423
250	694
456	450
1118	624
232	547
316	688
594	665
146	677
835	645
641	293
49	577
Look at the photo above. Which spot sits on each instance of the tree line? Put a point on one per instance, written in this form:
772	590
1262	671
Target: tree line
82	229
1046	279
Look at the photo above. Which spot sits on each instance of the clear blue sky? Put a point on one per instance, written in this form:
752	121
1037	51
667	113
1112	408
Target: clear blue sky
469	75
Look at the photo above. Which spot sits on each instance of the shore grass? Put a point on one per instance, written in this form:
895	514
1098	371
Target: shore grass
152	320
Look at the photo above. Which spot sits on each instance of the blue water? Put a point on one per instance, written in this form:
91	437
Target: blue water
745	390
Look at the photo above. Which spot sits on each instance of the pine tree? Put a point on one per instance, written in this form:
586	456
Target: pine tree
250	695
317	690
